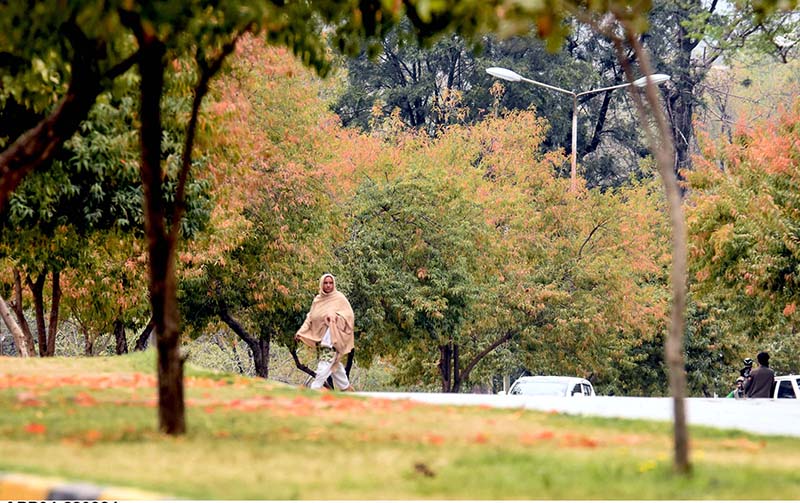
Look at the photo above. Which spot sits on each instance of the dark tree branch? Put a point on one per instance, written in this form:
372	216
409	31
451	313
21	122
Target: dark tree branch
38	145
207	71
141	342
589	237
234	325
300	366
488	349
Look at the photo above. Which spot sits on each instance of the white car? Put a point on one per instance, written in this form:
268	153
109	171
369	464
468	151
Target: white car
787	386
551	386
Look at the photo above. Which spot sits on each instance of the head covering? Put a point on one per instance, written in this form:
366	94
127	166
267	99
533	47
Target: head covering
335	306
740	379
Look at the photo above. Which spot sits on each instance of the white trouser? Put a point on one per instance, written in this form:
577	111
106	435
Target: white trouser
329	366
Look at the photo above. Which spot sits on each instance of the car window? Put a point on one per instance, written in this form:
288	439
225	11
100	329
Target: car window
539	388
577	390
785	390
587	390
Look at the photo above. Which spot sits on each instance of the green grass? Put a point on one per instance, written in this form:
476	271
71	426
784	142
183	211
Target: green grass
94	419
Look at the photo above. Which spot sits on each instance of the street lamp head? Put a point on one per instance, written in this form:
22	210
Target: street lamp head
656	78
504	73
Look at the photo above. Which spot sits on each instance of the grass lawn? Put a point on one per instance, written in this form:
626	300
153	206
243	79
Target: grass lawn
95	420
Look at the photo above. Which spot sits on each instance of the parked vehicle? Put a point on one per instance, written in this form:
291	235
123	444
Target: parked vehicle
551	386
787	386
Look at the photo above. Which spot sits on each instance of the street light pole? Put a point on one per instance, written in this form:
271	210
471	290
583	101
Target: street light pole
506	74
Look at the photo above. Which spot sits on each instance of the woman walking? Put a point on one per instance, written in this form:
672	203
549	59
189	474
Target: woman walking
329	328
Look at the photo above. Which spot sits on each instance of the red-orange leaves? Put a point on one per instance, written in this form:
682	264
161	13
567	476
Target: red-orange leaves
36	428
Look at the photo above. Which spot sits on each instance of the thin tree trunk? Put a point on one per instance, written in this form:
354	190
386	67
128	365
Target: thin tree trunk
258	346
88	344
144	337
16	332
37	289
161	246
663	148
456	384
119	337
19	311
55	304
444	367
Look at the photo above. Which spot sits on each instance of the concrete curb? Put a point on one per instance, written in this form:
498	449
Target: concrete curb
14	486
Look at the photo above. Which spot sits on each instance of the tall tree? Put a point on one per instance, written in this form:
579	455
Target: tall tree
411	258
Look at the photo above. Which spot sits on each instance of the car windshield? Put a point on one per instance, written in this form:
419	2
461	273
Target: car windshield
540	388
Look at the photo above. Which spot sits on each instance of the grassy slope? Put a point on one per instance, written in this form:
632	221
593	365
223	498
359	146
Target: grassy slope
94	419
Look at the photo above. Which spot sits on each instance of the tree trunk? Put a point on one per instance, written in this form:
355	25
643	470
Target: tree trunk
19	311
144	337
119	337
16	332
456	385
258	346
261	356
88	344
37	289
444	366
161	246
55	305
663	149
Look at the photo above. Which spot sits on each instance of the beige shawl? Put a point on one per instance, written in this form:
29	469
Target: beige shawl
335	306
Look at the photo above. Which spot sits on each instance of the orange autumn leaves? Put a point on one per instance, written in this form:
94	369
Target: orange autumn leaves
296	416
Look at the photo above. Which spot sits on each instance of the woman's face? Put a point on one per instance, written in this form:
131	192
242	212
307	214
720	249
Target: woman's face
327	284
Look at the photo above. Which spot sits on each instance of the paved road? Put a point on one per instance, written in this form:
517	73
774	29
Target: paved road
765	416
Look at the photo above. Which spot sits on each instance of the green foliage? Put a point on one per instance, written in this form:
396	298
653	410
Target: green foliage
411	259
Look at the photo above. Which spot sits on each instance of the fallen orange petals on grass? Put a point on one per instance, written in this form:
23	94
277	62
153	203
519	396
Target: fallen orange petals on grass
579	441
91	436
29	399
532	438
35	428
91	381
434	439
84	399
480	438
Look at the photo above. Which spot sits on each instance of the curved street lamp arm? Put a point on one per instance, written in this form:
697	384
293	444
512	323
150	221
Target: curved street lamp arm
609	88
554	88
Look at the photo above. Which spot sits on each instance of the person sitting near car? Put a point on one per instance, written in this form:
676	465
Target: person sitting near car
738	391
762	380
